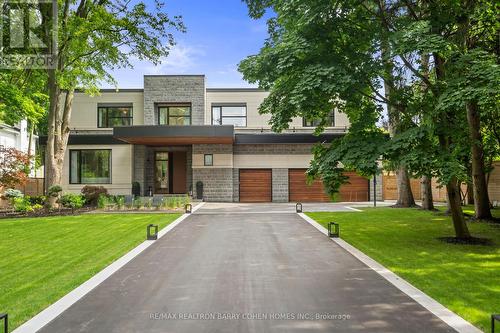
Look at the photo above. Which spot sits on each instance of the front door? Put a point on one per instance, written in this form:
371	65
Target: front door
162	183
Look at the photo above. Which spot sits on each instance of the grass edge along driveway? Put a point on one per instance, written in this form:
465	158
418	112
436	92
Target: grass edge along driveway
42	259
464	278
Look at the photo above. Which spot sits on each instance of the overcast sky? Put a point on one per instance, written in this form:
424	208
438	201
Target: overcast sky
219	35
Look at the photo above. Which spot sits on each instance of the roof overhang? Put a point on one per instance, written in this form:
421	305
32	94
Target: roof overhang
285	138
158	135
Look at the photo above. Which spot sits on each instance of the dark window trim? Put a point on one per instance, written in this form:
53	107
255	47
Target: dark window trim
332	123
221	105
115	105
205	159
80	166
158	106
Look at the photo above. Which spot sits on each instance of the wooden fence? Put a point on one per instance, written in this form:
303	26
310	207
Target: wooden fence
33	187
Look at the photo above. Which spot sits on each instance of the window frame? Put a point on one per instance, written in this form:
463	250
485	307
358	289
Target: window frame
173	105
80	166
332	123
205	159
221	107
115	105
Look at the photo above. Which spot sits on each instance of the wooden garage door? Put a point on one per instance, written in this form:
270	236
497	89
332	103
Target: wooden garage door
255	185
300	191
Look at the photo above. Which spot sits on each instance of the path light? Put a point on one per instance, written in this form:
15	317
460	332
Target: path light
188	208
153	236
493	318
333	229
298	207
5	318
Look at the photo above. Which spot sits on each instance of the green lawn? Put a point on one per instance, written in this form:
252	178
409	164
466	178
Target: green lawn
42	259
464	278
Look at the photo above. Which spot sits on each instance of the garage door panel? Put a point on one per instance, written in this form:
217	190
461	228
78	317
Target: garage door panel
255	185
300	191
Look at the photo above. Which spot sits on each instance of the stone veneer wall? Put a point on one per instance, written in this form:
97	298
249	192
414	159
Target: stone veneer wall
273	149
236	185
280	185
139	165
174	89
379	189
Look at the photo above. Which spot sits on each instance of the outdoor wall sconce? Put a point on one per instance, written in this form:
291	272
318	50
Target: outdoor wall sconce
493	318
333	229
5	318
188	208
152	236
298	207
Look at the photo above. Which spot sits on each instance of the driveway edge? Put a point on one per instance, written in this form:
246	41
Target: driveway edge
54	310
446	315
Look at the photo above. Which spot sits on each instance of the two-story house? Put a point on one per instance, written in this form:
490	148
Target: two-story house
175	133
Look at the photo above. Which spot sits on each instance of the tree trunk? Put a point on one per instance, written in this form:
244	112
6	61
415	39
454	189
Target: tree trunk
427	200
470	194
405	196
57	136
481	199
457	216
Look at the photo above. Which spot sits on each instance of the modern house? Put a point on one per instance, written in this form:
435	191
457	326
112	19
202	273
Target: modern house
175	133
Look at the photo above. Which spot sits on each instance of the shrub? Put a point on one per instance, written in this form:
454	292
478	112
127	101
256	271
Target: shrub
149	203
54	190
22	205
136	189
37	199
93	193
102	201
120	201
37	206
73	201
13	193
138	203
171	202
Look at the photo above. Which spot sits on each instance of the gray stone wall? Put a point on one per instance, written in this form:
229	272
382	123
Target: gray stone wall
213	149
378	190
236	185
274	149
217	183
139	164
280	185
174	89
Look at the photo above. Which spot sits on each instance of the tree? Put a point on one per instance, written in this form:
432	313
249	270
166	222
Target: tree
14	167
95	36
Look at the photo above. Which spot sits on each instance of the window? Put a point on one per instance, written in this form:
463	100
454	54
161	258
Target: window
209	159
315	122
90	166
114	116
179	115
229	115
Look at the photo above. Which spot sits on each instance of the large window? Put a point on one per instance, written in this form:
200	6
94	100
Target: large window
114	116
229	115
315	122
177	115
90	166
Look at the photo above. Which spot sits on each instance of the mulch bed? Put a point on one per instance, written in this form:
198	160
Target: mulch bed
44	213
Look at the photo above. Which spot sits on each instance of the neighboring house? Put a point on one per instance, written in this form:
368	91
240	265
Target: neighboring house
18	137
176	132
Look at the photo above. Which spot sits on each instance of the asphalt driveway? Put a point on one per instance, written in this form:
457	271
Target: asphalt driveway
231	270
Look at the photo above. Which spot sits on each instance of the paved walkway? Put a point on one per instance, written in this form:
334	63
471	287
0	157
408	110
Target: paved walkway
237	261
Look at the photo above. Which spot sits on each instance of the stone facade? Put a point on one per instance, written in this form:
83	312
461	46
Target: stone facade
236	185
213	149
139	164
171	89
274	149
378	190
280	185
217	183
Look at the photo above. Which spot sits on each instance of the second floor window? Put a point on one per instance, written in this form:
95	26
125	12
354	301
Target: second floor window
114	116
315	122
229	115
179	115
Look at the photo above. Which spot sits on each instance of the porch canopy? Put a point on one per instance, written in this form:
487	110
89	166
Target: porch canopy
159	135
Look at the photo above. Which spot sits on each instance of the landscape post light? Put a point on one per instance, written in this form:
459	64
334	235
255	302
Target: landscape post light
5	318
154	235
298	207
493	318
333	230
375	190
188	208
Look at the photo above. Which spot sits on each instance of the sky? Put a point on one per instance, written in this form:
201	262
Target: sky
219	35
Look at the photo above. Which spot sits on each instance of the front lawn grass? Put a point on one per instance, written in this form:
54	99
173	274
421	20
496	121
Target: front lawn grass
464	278
42	259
